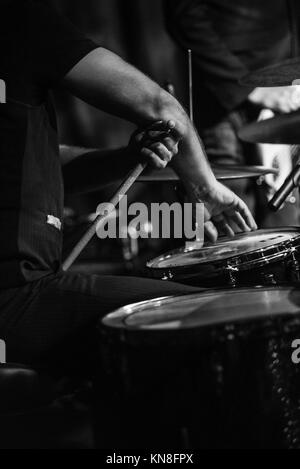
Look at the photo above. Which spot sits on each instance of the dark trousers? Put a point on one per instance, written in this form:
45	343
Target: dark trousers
51	324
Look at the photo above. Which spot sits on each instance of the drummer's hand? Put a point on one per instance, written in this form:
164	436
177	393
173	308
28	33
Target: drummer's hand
157	144
225	212
283	99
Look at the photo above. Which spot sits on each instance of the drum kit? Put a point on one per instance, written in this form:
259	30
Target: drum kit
212	369
264	257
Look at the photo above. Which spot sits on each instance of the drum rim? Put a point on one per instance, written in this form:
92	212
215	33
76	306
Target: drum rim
116	319
258	257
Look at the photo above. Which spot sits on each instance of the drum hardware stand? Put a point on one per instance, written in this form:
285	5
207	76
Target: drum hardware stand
168	276
292	182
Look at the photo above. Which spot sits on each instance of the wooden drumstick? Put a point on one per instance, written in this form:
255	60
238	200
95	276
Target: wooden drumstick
114	202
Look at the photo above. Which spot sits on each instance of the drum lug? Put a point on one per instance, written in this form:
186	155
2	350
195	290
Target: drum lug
294	265
168	276
269	279
232	275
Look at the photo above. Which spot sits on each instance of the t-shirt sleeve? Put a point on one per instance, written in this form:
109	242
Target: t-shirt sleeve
55	45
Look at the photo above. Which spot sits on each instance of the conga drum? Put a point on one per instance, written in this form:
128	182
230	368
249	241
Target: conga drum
201	371
263	257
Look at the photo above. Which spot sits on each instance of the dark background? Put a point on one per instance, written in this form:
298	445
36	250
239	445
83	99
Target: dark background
135	30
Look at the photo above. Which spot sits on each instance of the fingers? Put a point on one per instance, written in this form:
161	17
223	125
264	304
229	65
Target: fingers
174	131
237	218
164	137
152	136
167	143
160	156
168	127
165	149
223	225
211	231
155	135
171	145
230	222
155	131
244	212
227	224
158	128
161	126
161	152
158	143
226	213
153	159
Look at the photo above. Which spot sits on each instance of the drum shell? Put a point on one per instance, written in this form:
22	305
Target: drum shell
231	386
282	271
275	265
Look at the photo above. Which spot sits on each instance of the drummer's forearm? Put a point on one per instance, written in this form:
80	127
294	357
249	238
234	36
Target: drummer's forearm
191	164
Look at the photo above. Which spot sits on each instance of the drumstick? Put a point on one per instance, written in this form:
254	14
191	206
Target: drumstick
114	202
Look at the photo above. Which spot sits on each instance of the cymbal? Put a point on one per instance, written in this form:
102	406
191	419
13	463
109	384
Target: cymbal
283	129
286	73
222	173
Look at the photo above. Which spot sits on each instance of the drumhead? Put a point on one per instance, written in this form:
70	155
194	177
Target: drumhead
226	248
208	308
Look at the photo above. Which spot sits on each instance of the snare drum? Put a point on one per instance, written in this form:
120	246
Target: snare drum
208	370
264	257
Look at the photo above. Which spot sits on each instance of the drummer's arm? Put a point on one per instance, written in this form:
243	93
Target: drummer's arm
104	80
283	99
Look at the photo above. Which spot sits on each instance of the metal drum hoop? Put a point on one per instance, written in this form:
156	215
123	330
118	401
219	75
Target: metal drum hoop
113	326
241	262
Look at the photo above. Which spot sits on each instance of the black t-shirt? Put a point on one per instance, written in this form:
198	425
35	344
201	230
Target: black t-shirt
230	38
37	49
